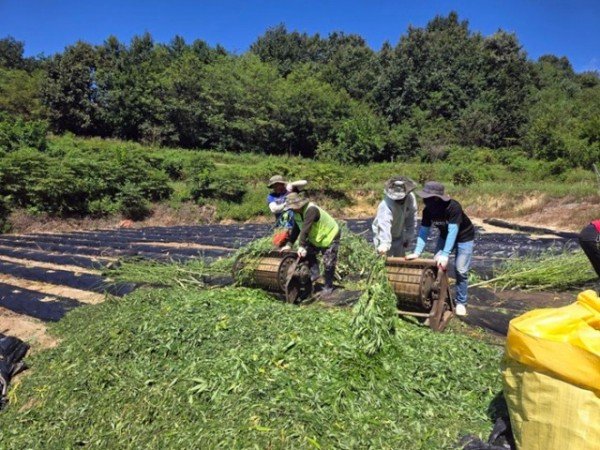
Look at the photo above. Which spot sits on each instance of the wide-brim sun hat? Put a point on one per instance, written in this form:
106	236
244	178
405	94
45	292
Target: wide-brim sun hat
276	179
433	189
295	201
397	188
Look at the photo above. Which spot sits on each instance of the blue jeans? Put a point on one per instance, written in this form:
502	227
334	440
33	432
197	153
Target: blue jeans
463	252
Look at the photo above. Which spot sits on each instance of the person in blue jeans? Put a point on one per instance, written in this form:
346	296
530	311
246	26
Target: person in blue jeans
456	236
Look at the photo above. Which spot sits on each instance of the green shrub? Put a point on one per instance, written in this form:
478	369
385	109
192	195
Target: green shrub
16	133
252	204
104	206
220	185
463	177
132	203
75	182
427	173
4	213
197	163
174	167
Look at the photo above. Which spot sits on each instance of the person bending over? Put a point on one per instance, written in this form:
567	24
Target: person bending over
317	233
457	235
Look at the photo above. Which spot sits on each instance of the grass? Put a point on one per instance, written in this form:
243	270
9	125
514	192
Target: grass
552	271
233	368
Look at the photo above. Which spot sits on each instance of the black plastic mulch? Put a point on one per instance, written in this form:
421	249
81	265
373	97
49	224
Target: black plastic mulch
83	281
48	308
12	352
54	258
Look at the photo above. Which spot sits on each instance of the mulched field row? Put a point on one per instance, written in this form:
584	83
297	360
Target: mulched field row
35	304
87	249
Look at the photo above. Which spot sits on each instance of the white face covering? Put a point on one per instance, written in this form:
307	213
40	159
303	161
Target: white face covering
396	190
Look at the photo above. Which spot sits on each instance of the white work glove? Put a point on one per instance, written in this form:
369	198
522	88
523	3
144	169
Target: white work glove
296	185
442	262
383	249
286	248
302	252
412	256
437	256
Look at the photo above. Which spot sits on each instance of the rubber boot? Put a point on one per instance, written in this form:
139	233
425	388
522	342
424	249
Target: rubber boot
314	272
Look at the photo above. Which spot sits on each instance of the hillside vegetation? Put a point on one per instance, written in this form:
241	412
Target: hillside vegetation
77	177
443	103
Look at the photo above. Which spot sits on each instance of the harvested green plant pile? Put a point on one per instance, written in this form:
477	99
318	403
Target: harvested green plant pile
557	271
233	368
375	316
161	273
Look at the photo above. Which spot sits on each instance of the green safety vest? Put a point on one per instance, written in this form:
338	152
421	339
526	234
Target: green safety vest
323	232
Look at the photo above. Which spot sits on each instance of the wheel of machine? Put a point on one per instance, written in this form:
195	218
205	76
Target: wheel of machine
286	269
442	310
427	284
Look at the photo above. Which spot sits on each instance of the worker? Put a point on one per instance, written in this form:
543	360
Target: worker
276	199
316	232
456	236
394	226
589	239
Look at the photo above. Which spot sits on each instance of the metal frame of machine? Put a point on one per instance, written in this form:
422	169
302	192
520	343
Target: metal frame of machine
422	290
279	272
420	286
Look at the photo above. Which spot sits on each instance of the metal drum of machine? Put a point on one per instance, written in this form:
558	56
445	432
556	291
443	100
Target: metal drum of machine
278	272
422	290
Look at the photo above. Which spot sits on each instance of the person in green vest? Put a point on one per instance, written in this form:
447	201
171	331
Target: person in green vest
316	232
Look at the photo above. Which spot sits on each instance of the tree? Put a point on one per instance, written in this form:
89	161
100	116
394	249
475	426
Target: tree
134	91
496	118
11	53
239	99
350	64
286	49
310	110
359	139
20	93
436	68
70	90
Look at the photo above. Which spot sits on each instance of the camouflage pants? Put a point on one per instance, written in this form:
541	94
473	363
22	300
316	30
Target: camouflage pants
330	255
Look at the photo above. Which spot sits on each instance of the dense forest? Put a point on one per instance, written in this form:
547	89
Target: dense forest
293	93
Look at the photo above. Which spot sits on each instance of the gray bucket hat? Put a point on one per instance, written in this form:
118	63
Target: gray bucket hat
295	201
397	188
276	179
433	189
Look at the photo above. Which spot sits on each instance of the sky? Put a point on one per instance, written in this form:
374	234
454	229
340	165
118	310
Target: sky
561	27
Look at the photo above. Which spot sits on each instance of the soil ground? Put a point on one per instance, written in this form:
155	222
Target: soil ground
27	329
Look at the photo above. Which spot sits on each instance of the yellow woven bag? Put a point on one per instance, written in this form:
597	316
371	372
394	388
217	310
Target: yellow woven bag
551	373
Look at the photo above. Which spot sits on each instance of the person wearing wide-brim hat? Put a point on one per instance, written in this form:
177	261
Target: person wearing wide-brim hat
394	226
316	232
280	187
456	236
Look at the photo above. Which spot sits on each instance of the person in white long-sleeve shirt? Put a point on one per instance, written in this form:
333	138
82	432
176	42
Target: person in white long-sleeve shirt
395	224
276	199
